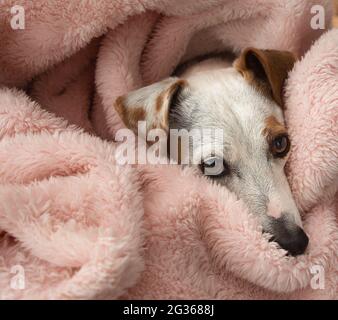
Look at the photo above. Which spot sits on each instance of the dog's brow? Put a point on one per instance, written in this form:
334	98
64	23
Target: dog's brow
273	128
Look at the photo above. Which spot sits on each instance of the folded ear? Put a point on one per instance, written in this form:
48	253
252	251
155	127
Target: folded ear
150	104
266	68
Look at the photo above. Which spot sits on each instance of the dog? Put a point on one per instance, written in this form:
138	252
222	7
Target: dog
243	98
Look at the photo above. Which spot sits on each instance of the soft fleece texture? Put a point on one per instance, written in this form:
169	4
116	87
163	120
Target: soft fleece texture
83	227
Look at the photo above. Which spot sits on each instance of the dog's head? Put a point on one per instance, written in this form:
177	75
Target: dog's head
245	102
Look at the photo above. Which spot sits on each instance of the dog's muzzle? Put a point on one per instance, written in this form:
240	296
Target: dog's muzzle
289	236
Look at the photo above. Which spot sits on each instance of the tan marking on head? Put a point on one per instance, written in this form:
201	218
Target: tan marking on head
160	103
131	116
250	77
240	66
137	114
168	93
120	108
155	110
273	128
266	69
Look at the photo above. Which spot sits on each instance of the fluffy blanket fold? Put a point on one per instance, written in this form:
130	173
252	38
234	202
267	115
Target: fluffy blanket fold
74	225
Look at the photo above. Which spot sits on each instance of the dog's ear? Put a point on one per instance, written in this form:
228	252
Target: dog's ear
266	68
150	104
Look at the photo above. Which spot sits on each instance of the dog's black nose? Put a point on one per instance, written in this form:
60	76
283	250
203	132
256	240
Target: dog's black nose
290	237
295	242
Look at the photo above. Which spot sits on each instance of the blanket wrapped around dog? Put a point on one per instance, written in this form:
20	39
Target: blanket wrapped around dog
74	225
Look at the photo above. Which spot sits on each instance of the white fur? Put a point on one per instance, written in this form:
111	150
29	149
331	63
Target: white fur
226	100
217	96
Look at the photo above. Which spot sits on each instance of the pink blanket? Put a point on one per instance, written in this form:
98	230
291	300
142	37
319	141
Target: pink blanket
74	225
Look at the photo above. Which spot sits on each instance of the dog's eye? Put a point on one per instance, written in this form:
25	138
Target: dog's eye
215	167
280	146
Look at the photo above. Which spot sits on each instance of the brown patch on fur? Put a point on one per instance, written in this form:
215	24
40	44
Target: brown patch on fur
160	111
335	16
120	107
137	114
266	69
168	93
161	100
131	116
173	87
250	77
164	122
273	128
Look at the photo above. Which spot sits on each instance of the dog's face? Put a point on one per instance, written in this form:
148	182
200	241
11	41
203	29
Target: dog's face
245	102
